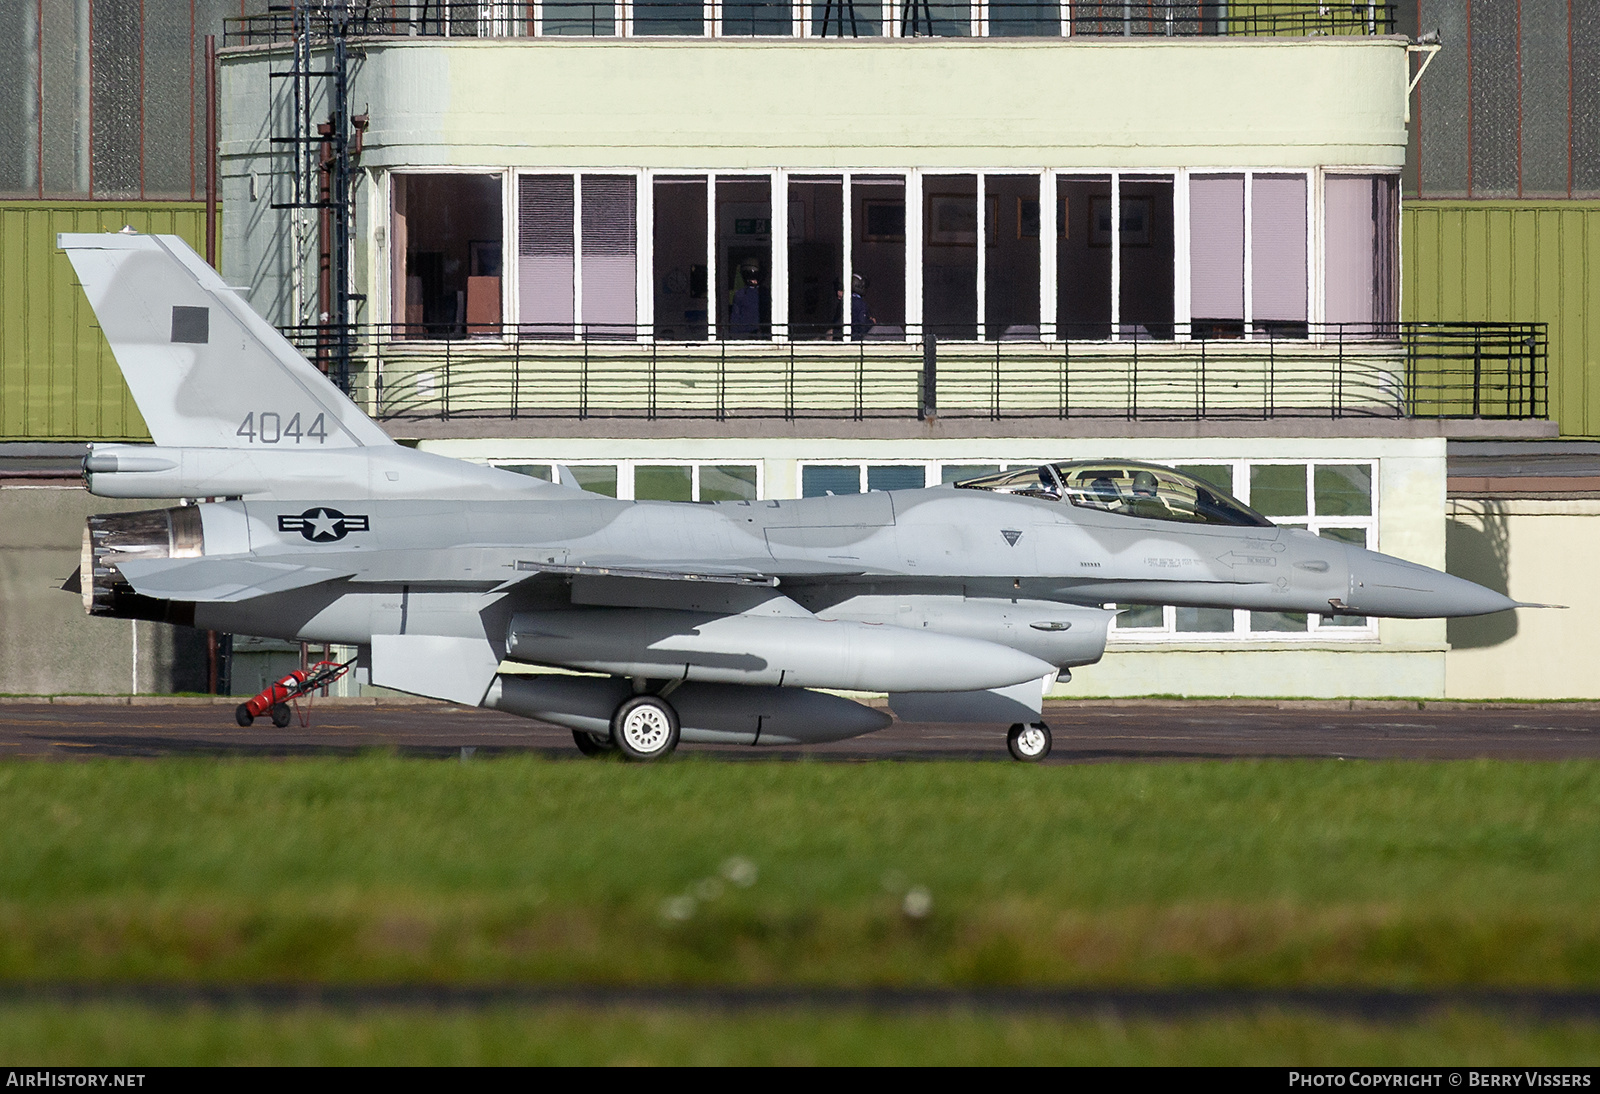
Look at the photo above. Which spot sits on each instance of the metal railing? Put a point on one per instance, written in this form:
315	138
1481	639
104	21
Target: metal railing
823	19
1396	370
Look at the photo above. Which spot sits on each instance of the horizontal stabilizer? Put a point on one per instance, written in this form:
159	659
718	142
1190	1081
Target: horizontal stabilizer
219	580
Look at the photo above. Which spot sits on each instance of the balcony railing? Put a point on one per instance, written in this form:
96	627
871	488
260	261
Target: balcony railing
1397	370
822	19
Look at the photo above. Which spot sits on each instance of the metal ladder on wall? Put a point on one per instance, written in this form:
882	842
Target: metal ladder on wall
321	156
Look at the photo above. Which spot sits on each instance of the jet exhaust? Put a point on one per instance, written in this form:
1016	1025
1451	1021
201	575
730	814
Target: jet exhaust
112	538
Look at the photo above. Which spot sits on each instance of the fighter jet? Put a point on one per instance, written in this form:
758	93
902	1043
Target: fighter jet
676	621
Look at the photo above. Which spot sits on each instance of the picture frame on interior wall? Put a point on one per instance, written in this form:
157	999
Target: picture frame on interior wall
953	220
1136	213
883	221
1028	218
484	258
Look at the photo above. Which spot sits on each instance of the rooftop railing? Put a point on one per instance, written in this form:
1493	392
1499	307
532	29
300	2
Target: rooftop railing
822	19
1395	370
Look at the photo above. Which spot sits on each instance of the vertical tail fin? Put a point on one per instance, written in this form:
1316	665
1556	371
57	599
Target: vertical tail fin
206	370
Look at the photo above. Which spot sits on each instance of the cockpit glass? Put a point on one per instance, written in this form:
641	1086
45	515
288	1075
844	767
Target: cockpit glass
1128	489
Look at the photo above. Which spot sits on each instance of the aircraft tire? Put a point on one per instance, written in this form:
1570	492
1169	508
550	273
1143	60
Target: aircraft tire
645	727
281	715
242	715
1029	743
592	744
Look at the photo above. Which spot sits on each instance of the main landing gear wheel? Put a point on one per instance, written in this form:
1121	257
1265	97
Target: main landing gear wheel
645	728
281	715
1029	743
592	744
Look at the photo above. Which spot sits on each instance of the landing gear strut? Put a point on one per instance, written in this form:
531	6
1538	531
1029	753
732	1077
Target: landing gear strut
1029	743
645	727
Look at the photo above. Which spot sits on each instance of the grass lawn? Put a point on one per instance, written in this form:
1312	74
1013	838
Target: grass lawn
380	869
131	1037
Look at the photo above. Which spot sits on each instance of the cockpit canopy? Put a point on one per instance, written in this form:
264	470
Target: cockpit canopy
1132	489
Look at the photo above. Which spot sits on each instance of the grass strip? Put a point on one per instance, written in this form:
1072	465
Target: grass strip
130	1037
389	870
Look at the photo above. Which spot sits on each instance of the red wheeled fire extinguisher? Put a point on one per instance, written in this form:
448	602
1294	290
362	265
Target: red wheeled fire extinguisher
288	689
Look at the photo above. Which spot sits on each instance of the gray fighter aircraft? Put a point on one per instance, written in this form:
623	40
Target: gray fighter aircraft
682	621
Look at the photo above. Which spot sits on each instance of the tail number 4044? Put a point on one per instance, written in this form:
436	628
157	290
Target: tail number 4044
268	427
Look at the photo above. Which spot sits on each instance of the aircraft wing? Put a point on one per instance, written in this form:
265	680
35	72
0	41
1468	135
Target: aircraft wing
220	580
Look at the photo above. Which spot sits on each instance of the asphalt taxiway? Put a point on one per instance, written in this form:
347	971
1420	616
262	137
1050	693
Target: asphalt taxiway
1084	731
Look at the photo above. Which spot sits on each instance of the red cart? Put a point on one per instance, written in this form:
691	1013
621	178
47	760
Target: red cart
278	697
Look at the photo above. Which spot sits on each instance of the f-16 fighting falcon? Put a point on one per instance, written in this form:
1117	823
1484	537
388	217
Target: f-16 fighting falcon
728	622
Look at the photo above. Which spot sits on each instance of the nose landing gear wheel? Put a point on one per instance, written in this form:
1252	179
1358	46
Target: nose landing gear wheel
1029	743
592	744
645	728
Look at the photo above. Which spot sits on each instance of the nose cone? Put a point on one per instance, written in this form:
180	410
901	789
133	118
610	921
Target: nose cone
1386	586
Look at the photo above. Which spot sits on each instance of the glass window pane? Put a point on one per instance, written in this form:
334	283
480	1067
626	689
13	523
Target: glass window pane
851	19
942	18
751	17
728	482
1205	620
1216	255
668	17
1219	475
816	264
679	265
1011	259
1278	490
450	229
532	470
1359	248
1286	622
592	18
955	472
1278	253
597	479
1344	490
896	477
950	256
744	257
815	481
1146	241
878	258
544	255
1357	536
1083	266
1024	19
610	254
1140	617
663	483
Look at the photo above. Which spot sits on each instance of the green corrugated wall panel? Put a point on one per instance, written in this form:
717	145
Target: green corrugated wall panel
58	380
1515	261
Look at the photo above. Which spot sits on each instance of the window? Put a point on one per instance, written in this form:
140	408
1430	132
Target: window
649	481
743	257
652	17
1266	216
680	257
1360	242
819	479
446	243
552	288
